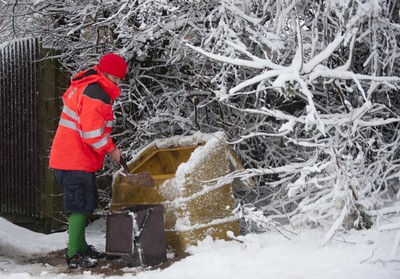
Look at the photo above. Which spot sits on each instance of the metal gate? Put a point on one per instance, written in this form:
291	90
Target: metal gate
29	102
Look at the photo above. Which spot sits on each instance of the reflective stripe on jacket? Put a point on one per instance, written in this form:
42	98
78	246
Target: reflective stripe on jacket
83	135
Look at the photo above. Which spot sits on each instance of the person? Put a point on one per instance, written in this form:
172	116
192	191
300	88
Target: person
80	145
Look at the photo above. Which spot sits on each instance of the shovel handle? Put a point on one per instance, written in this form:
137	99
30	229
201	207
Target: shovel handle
122	161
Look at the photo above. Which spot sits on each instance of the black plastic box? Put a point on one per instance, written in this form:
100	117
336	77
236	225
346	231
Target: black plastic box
137	233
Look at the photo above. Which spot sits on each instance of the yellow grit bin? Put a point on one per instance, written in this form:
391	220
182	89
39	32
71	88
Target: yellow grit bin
188	171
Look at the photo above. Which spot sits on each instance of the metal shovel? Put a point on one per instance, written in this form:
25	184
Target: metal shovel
142	179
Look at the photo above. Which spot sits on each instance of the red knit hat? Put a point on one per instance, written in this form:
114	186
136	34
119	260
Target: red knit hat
113	64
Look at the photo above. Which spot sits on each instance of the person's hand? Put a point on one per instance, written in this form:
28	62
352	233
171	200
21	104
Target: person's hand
115	155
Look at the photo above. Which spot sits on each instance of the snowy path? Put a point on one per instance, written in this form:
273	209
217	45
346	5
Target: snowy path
360	254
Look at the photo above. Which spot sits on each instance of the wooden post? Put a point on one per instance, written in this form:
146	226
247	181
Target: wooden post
53	83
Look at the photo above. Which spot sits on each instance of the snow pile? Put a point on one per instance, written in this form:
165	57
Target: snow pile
17	241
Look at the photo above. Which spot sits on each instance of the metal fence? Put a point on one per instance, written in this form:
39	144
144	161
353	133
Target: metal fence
29	103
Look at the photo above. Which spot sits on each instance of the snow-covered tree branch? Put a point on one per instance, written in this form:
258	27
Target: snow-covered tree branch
339	128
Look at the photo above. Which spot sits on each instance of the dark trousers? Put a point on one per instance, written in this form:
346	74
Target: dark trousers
80	190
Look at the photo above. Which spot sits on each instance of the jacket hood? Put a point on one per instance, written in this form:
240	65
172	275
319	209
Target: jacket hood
95	75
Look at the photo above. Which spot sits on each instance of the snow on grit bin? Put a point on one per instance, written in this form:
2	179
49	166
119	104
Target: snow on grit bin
186	171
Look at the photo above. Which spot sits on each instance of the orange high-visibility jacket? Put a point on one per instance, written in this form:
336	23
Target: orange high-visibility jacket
83	134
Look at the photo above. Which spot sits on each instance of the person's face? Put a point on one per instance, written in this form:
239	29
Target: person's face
114	79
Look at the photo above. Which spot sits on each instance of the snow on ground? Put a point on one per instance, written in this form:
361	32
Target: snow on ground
359	254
